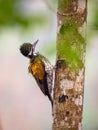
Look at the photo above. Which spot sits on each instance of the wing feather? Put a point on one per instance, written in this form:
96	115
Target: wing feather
49	71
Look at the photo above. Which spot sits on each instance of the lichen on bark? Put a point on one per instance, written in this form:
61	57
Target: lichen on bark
69	76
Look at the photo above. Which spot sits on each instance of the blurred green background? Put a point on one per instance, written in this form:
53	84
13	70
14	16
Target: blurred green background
22	105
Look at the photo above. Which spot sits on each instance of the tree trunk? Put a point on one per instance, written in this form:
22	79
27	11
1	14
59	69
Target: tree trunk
69	76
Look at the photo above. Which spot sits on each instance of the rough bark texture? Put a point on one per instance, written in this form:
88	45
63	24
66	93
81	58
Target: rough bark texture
69	77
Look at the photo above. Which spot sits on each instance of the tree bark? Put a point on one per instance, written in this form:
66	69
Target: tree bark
69	75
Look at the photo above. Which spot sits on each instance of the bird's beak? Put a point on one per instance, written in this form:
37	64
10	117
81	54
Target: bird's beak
34	44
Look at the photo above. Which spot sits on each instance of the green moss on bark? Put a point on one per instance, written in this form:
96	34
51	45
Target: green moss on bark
70	46
63	4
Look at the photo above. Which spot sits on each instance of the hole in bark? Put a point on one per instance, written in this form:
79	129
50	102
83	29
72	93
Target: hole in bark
67	113
60	63
62	98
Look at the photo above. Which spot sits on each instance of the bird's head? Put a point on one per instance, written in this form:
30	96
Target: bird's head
27	49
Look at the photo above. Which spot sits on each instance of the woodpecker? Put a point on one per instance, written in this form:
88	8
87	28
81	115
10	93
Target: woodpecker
40	68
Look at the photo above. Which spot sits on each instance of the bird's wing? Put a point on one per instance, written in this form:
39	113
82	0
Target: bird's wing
49	72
